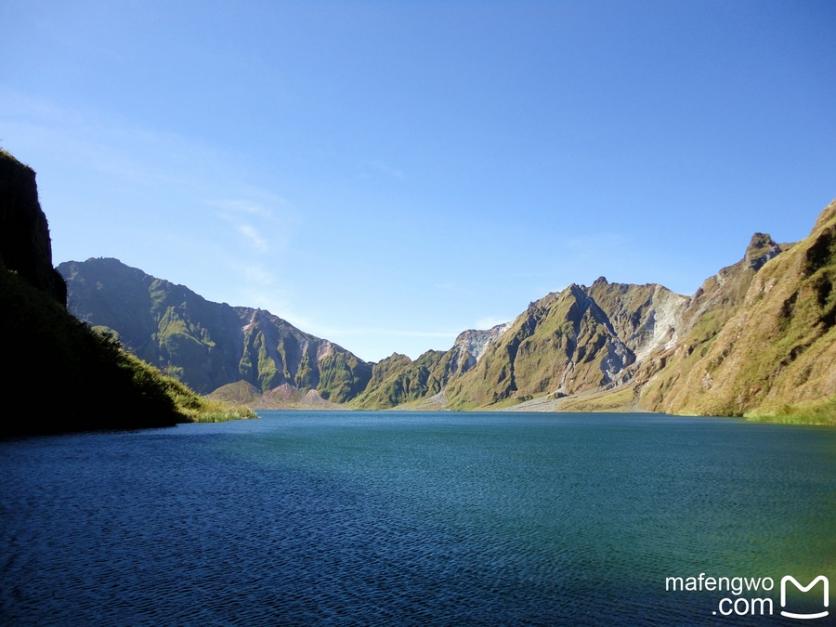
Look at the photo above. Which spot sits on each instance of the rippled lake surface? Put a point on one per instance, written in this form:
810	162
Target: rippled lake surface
304	517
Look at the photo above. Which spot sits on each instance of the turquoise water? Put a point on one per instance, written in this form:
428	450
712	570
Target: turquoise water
306	517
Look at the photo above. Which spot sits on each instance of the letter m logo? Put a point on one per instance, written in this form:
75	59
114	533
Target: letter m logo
826	596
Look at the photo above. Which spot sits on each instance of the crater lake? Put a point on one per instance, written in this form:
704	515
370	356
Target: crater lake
406	517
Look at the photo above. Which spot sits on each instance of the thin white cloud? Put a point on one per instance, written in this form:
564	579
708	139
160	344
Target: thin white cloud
115	146
257	216
253	236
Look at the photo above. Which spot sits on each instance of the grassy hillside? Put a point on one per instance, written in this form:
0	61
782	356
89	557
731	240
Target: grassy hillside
768	353
397	379
562	344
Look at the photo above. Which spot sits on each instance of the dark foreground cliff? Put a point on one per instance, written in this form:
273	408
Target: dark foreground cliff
61	374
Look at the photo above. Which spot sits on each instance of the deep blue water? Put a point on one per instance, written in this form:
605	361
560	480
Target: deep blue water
409	518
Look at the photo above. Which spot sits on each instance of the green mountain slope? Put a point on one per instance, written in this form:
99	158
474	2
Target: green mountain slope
566	343
398	379
206	344
766	345
284	396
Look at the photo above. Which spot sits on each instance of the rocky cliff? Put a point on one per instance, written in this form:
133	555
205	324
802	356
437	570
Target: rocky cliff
25	245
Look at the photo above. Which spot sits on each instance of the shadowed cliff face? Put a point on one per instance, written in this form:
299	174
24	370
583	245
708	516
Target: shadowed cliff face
73	378
25	246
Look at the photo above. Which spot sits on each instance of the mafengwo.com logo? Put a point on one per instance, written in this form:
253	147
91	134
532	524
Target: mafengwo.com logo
755	596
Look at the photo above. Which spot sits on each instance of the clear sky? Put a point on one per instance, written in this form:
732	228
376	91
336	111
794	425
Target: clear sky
389	174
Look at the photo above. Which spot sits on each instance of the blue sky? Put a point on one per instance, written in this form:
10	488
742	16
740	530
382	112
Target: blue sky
388	174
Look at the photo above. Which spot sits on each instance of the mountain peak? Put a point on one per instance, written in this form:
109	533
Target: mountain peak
761	249
828	214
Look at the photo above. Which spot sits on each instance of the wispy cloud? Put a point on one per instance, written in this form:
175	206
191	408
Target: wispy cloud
253	236
265	220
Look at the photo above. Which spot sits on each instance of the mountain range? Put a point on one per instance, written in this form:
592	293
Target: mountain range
756	339
207	344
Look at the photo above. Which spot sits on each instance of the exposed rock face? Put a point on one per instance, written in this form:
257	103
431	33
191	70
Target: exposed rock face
275	352
760	250
576	340
207	344
470	345
645	317
25	246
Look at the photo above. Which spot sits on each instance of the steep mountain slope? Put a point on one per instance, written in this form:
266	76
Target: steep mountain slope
645	317
756	339
567	343
25	245
207	344
762	338
165	324
69	377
